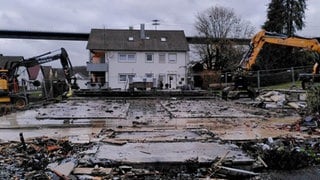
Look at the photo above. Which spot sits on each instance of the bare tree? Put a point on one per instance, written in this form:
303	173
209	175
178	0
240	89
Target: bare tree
222	23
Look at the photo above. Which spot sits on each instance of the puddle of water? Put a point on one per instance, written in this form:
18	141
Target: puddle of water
84	109
149	111
165	135
13	134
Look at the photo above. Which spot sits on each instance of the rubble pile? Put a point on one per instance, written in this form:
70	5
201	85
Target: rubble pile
32	159
282	99
285	153
49	158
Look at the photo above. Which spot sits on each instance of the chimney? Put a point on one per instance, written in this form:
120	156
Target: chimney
142	32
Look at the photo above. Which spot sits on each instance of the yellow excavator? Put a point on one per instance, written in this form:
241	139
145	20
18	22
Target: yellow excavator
10	93
249	59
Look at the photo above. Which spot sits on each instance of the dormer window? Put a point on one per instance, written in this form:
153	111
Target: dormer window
130	38
163	39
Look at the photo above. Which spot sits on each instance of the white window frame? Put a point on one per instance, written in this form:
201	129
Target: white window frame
163	39
122	77
127	76
172	57
149	55
149	75
127	57
162	61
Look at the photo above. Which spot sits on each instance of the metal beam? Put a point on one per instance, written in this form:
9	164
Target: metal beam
68	36
12	34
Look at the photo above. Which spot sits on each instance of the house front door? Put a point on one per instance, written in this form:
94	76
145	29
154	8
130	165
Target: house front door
161	81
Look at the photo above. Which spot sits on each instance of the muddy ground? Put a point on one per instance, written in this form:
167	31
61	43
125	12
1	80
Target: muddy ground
156	138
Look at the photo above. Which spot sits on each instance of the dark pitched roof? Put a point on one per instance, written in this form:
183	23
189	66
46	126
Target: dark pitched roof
82	70
118	40
33	72
46	71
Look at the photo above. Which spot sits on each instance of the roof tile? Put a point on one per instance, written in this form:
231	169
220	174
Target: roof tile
118	40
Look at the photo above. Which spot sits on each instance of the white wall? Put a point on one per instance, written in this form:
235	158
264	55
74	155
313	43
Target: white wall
140	67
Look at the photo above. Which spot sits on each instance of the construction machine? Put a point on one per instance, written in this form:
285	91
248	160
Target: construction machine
10	93
249	59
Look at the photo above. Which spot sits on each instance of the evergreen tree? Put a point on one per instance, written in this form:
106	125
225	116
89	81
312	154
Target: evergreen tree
275	17
284	17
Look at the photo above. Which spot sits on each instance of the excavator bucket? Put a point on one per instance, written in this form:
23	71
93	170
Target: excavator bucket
66	65
70	92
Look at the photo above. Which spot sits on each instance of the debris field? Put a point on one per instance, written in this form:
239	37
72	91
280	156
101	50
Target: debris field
156	138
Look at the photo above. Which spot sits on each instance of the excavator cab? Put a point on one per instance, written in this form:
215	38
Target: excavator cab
9	91
4	87
308	80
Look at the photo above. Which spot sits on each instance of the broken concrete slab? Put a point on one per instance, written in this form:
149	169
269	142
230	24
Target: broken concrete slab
92	171
297	105
80	139
167	152
64	169
209	108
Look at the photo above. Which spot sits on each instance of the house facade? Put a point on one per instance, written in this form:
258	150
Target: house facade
120	58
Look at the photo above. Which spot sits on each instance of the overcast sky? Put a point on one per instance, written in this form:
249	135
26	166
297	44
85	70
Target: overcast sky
83	15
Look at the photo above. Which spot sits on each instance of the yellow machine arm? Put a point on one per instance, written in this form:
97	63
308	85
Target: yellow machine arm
263	37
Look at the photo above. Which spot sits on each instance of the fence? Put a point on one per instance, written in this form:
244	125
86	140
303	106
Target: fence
270	77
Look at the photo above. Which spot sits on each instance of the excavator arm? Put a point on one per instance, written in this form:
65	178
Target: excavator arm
263	37
44	58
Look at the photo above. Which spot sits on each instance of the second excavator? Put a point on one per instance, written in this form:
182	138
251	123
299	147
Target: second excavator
10	93
249	59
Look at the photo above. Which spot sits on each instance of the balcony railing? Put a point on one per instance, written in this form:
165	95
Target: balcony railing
91	85
95	67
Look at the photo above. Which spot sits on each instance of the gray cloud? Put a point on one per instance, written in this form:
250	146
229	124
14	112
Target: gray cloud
82	15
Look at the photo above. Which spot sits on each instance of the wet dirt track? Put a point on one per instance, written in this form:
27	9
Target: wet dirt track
133	131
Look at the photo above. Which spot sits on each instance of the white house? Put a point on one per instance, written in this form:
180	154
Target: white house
119	57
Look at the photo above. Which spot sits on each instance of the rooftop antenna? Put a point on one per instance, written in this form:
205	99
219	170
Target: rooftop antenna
155	23
104	36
